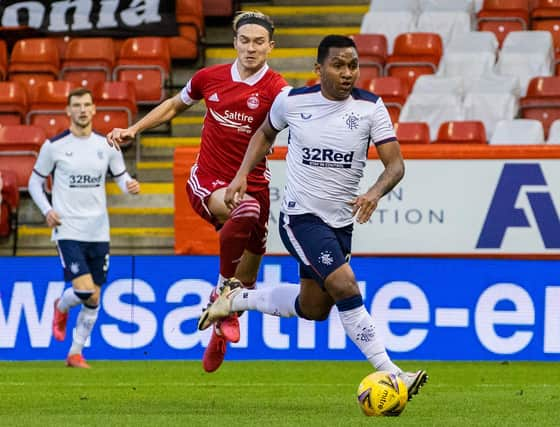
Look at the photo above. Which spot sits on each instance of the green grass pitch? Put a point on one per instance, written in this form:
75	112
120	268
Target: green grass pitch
270	393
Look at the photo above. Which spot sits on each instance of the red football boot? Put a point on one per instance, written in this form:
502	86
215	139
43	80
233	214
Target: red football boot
214	353
59	323
77	361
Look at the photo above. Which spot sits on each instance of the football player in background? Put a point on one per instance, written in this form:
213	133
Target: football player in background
79	160
237	97
331	127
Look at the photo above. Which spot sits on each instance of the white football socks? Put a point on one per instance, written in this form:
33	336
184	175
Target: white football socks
360	327
68	300
275	300
84	326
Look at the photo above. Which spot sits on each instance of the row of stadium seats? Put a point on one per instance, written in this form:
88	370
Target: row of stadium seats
143	61
449	18
507	132
45	106
525	54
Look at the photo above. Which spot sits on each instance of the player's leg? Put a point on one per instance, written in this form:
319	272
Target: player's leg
75	266
97	257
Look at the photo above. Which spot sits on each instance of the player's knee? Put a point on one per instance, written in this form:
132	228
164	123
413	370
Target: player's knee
84	295
248	209
312	312
342	284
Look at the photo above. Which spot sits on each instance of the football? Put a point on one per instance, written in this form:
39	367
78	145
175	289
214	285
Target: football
382	394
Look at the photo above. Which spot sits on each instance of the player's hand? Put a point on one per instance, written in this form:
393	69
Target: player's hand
235	192
52	218
363	207
120	136
133	186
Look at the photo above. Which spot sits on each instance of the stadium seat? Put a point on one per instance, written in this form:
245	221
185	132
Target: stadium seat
145	61
395	6
13	103
412	132
393	91
414	54
3	60
526	54
448	24
469	55
461	132
366	74
432	84
518	132
190	22
432	108
219	8
503	16
19	147
490	99
553	27
542	101
546	9
388	23
34	61
115	106
88	61
62	45
554	133
372	51
446	5
9	206
47	107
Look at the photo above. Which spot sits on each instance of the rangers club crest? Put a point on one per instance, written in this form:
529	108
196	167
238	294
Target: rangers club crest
253	102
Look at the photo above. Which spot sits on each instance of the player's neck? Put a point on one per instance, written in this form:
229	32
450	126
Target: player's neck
245	73
80	131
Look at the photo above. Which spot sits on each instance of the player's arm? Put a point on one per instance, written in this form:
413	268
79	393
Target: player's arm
160	114
259	146
391	157
126	183
44	165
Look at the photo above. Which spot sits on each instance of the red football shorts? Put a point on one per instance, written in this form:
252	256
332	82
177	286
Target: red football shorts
199	188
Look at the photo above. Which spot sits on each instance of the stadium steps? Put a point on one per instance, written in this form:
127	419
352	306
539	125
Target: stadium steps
139	224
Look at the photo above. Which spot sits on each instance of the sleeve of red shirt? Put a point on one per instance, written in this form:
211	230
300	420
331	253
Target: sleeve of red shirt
195	88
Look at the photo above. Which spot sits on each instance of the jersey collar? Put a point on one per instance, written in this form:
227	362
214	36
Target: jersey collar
251	80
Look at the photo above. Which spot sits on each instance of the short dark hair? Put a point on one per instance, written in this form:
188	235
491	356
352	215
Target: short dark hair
253	17
332	40
80	91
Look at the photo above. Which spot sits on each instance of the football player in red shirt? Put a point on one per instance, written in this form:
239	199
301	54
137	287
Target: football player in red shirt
237	97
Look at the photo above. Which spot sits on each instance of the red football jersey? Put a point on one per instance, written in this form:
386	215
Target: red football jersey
235	109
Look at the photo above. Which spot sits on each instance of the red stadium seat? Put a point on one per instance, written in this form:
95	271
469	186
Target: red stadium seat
219	8
366	74
414	54
393	91
503	16
19	147
412	132
34	61
9	206
145	61
115	104
542	101
47	107
13	103
372	50
88	61
546	9
459	132
3	60
190	22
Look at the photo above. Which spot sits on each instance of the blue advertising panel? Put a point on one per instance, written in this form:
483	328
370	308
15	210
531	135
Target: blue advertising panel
425	309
